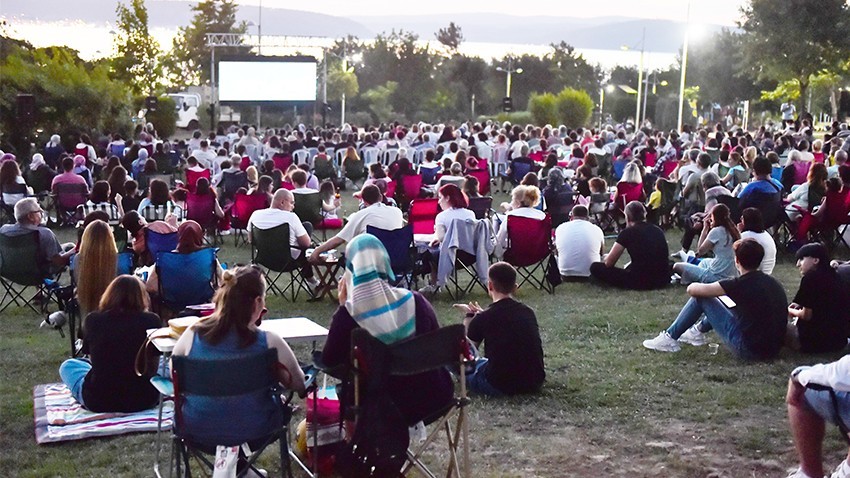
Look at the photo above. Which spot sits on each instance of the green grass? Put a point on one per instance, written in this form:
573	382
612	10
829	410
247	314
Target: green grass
609	407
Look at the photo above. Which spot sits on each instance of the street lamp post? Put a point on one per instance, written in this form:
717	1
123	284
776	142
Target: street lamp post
655	83
640	76
684	70
509	70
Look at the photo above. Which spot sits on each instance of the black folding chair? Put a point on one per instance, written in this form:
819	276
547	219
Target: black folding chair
270	249
21	268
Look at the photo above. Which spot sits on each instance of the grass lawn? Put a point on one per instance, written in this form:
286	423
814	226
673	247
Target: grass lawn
609	407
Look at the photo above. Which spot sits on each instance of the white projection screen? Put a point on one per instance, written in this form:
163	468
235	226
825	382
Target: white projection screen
266	81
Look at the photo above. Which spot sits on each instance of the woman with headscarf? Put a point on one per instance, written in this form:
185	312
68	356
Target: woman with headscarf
190	238
53	151
552	194
389	314
40	174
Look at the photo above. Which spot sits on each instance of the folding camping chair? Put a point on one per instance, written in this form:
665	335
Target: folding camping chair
481	206
187	279
270	249
201	209
402	252
21	268
373	362
243	206
193	176
411	186
529	248
308	208
470	258
66	199
156	242
483	177
221	381
422	214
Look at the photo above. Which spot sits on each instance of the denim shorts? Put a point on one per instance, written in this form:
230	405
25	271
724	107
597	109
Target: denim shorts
820	402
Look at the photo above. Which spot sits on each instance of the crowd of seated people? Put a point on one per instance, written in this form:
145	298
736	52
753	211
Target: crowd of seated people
783	178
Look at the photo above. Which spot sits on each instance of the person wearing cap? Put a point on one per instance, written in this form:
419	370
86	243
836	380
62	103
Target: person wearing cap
747	312
52	256
820	312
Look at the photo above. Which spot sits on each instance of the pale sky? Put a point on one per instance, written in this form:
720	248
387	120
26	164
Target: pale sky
720	12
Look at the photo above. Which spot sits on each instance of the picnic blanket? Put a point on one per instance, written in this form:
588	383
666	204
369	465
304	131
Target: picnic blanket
58	417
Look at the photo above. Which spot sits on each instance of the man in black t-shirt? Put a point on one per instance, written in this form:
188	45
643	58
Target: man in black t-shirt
511	338
820	309
748	312
647	247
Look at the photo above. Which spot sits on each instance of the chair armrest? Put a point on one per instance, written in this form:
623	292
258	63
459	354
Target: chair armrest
163	385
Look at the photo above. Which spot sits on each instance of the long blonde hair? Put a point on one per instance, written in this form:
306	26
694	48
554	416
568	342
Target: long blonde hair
97	264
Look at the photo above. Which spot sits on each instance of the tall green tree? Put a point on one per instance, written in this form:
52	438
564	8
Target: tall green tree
137	61
795	39
189	61
451	37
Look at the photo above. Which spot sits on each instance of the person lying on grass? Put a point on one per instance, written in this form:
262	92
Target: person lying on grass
508	329
748	312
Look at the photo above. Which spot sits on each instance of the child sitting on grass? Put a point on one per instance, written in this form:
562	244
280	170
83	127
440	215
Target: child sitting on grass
508	329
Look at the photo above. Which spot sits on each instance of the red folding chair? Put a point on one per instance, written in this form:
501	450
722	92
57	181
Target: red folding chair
201	209
529	248
422	214
411	186
282	161
193	176
391	185
628	192
243	206
483	177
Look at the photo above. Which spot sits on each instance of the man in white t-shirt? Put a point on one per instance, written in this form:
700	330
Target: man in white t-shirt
579	243
205	155
279	213
751	226
375	214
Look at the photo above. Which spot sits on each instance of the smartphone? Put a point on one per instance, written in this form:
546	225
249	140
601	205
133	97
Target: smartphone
727	301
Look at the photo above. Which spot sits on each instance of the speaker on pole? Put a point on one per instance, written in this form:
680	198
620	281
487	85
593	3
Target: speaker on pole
151	103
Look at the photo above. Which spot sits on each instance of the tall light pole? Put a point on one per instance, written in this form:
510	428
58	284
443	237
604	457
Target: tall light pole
655	82
684	70
510	70
640	76
260	31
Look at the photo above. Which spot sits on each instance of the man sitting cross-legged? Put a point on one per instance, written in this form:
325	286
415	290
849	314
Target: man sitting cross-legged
752	323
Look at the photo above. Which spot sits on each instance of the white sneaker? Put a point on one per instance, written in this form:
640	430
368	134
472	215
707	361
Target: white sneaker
798	473
313	282
226	232
693	337
662	343
430	289
842	470
678	254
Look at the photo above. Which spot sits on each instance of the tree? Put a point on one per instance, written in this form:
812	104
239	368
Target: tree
543	108
70	92
451	36
574	107
189	61
795	39
136	62
378	99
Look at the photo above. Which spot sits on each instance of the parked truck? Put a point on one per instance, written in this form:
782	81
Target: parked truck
194	103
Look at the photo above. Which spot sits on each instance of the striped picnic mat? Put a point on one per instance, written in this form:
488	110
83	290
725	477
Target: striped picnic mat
58	417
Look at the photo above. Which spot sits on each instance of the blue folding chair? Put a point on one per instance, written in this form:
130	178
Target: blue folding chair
156	243
399	246
125	263
186	279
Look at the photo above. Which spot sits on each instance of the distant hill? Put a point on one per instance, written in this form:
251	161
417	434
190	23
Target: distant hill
172	14
604	33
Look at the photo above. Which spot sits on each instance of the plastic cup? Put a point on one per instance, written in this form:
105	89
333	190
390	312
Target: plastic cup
713	348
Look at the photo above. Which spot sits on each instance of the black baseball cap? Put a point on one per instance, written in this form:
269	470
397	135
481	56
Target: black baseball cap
815	250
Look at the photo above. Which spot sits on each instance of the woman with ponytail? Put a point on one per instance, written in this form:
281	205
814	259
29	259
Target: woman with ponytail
231	331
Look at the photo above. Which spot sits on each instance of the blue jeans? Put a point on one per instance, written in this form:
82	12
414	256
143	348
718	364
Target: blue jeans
477	382
723	320
73	373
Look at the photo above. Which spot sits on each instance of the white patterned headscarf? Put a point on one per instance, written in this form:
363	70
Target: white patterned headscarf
388	313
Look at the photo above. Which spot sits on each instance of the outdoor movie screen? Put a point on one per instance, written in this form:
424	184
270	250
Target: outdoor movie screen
267	80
